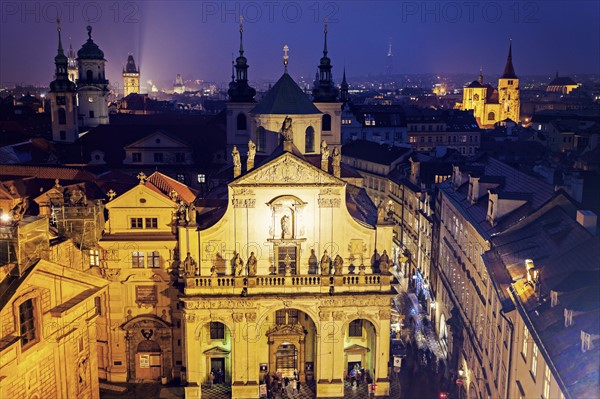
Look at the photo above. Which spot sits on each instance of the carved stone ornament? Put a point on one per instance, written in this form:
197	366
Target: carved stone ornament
384	314
243	202
110	274
288	170
329	202
338	316
251	316
324	316
238	317
189	317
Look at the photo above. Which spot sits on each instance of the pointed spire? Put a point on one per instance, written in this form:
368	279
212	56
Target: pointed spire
240	91
325	41
480	77
509	70
60	47
344	88
285	58
241	35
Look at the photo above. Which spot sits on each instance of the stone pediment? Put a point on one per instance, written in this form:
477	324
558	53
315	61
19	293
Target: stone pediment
157	139
285	330
217	350
356	349
287	169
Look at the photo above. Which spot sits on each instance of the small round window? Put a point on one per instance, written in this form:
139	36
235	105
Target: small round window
143	200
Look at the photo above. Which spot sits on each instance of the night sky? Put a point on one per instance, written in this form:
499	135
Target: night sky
197	38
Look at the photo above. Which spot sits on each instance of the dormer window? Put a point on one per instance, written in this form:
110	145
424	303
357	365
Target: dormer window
568	317
586	341
553	298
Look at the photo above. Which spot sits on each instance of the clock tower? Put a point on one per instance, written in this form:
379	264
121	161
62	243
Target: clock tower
131	77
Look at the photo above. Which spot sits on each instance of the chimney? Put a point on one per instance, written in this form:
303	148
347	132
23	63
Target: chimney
587	219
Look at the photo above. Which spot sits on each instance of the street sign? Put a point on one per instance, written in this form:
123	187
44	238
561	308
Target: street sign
397	361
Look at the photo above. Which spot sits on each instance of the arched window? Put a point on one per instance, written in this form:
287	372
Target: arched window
309	140
241	122
62	116
326	122
491	116
261	139
89	75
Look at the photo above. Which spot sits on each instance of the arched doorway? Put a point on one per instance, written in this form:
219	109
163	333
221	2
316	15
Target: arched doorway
148	360
149	347
216	336
292	344
360	346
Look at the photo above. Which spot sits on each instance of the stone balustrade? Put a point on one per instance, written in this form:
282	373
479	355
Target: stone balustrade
277	284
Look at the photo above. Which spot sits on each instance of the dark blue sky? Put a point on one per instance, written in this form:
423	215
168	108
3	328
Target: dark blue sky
196	38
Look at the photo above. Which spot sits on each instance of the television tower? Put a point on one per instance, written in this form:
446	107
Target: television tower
389	68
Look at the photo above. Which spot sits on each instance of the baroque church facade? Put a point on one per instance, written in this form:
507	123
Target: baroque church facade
491	105
290	273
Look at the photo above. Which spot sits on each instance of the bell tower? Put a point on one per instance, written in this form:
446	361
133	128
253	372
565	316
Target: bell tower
326	99
508	91
131	77
72	64
63	102
241	100
92	85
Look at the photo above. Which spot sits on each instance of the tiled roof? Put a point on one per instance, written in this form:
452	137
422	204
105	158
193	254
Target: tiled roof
383	154
165	184
515	181
47	172
562	81
285	98
566	255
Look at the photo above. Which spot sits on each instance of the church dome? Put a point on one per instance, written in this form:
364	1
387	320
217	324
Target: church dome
90	50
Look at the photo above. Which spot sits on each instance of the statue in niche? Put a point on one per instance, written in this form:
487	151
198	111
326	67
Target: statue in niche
286	229
238	265
286	129
384	263
338	265
189	265
182	211
252	264
324	151
325	263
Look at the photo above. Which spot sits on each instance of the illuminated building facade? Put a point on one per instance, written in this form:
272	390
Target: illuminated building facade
131	77
491	105
92	85
49	307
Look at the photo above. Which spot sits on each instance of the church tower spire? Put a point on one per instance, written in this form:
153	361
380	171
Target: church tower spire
131	77
509	92
63	99
325	90
241	91
344	88
509	70
480	77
